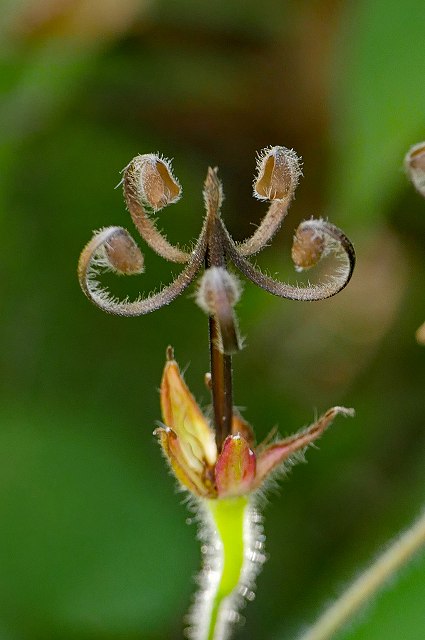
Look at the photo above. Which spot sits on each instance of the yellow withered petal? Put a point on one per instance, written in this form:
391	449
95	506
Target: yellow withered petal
181	413
190	479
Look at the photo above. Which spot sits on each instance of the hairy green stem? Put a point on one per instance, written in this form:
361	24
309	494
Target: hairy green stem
368	583
229	521
233	555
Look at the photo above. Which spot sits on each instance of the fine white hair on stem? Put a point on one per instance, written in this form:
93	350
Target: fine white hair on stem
209	618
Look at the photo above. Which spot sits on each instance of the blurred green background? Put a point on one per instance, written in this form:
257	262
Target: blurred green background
94	543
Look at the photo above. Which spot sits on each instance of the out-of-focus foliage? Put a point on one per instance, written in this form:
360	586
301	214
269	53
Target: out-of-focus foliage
93	541
378	101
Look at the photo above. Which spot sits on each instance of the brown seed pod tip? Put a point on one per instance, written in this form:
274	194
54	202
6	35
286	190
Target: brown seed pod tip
278	172
151	177
308	246
123	255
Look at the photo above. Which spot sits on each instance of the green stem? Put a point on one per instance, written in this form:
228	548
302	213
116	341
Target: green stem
229	521
234	555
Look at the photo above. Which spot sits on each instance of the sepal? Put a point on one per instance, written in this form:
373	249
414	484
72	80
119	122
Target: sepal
200	482
277	453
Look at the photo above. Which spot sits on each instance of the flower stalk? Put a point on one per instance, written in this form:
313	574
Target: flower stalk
217	459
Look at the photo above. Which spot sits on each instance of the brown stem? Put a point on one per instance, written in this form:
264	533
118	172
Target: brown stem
221	364
221	387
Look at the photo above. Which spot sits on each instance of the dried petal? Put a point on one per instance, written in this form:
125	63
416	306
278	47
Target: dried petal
235	468
278	172
181	413
414	163
280	451
197	483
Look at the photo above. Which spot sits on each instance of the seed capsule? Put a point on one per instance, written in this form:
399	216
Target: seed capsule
308	247
123	254
151	179
278	172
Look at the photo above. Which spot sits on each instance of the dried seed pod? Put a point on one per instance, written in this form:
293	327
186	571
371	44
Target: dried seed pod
414	163
123	255
278	172
152	180
149	184
308	246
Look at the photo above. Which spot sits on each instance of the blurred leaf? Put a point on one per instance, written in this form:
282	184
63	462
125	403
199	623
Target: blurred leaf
379	104
85	542
222	15
84	20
